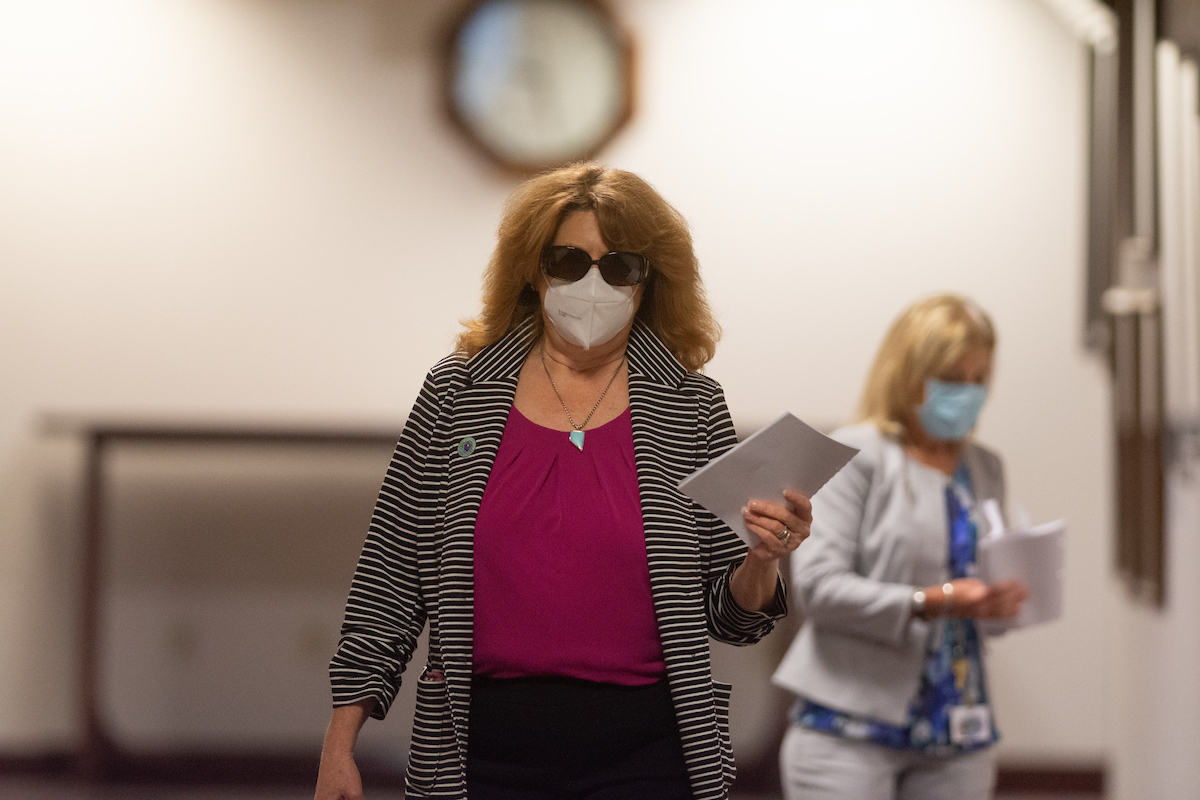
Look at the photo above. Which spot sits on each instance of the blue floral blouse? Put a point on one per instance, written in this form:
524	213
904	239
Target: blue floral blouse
953	674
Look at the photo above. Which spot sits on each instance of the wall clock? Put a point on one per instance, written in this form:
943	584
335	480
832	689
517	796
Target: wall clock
534	84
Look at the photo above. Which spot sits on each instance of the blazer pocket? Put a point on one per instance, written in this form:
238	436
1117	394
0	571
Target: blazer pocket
432	735
721	694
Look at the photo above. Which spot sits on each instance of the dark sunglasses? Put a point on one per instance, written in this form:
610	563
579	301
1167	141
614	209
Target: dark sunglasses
568	263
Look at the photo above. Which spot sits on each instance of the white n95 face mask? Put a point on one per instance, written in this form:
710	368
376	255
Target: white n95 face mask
588	312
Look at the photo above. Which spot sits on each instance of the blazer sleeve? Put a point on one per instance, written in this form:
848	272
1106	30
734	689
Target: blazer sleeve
386	612
721	551
825	568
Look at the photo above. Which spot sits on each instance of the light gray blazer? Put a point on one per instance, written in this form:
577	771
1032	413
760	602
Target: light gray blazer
879	532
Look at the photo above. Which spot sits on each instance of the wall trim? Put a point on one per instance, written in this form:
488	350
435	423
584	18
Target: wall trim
1051	779
300	768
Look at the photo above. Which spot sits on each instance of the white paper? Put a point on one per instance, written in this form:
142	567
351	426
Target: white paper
1034	556
995	520
787	454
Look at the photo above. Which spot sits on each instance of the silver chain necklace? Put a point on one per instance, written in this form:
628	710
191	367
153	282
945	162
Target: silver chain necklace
576	435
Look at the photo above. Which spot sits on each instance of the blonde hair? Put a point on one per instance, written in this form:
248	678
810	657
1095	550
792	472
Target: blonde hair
631	216
926	340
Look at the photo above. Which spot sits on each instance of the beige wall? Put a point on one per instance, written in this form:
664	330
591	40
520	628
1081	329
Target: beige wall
253	209
1155	724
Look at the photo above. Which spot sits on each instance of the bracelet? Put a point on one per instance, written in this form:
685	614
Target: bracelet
947	598
918	603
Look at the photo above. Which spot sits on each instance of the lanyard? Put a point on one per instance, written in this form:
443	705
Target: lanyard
963	535
962	527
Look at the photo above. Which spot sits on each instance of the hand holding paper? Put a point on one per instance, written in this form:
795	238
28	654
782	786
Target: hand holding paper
780	527
1032	555
787	454
973	599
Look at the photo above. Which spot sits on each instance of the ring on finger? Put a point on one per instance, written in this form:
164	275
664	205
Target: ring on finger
783	535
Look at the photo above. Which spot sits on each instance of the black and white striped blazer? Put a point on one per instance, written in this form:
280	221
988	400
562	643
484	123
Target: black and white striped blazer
416	564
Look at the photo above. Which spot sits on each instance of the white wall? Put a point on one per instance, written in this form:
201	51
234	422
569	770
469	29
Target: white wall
244	208
1156	714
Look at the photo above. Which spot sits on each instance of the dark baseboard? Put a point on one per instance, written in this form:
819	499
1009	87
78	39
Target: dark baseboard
194	769
41	765
1050	779
300	769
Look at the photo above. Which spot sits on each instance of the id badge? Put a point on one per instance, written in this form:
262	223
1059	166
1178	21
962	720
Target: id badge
970	724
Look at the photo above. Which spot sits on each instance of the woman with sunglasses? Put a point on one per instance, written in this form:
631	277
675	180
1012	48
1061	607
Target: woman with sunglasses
892	699
531	516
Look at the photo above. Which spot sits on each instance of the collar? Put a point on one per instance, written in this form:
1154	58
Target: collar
648	357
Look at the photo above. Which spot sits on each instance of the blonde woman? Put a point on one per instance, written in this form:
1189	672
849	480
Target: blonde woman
531	516
892	697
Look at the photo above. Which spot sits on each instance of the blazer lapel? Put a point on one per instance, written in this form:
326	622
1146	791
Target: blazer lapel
668	443
480	412
666	429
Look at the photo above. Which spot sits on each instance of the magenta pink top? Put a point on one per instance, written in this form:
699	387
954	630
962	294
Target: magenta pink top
562	585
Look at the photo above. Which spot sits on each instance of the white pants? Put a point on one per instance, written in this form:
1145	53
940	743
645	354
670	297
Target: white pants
819	766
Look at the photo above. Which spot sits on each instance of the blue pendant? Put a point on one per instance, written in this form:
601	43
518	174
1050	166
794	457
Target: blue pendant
576	438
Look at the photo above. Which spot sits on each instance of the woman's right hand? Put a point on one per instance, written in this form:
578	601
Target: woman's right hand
974	599
338	778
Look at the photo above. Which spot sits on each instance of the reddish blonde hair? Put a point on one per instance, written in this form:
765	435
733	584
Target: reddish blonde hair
925	340
631	216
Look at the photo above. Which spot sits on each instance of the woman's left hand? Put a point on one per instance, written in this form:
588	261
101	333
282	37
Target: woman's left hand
780	528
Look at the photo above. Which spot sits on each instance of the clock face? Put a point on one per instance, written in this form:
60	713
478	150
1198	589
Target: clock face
538	83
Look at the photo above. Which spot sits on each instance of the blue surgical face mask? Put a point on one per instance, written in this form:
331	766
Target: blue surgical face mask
950	409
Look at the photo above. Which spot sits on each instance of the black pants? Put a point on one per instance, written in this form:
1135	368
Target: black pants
568	739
